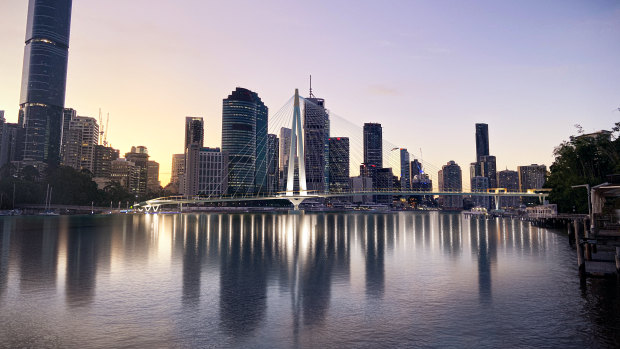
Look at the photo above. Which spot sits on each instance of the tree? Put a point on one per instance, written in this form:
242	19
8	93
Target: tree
584	159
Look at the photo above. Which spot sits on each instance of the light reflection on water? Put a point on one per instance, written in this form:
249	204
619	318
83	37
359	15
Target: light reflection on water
278	280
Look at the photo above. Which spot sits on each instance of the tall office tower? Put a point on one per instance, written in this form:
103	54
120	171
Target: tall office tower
339	164
316	144
194	131
178	168
140	157
509	180
373	145
11	143
153	183
273	164
488	169
81	139
384	181
68	114
207	172
44	78
103	160
285	146
480	184
450	180
482	141
532	176
405	170
126	173
244	139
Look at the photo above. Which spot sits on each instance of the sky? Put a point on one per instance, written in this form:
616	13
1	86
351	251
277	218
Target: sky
426	70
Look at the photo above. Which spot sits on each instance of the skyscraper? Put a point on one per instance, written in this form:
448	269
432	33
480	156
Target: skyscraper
244	138
482	141
488	169
338	164
152	182
373	145
405	170
273	164
178	169
510	180
451	180
139	156
316	135
80	140
480	184
194	131
531	177
44	78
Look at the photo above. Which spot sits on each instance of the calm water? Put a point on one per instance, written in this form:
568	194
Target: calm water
312	280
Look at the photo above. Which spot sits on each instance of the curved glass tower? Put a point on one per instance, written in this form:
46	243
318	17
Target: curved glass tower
244	138
44	78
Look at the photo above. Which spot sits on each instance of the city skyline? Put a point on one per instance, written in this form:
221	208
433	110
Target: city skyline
563	49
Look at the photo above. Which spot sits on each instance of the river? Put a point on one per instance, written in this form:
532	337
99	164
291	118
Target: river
277	280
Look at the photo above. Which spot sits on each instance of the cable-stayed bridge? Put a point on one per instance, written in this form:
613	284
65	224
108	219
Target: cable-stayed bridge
295	188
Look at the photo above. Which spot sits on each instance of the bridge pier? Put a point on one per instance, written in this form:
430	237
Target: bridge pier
296	201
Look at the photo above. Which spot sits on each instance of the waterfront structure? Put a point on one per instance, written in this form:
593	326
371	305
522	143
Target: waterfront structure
510	181
316	145
139	156
405	170
207	171
194	131
531	176
273	162
153	183
127	174
450	180
373	145
244	138
480	184
338	164
482	141
80	138
44	80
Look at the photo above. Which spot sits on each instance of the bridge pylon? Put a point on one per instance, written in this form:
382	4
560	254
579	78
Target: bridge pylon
297	136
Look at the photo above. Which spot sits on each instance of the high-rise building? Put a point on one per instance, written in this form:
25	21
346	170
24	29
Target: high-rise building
103	160
194	131
532	176
316	145
127	174
510	181
450	180
384	182
482	141
153	183
207	171
285	146
11	143
405	170
178	168
361	184
68	114
139	156
480	184
44	79
80	138
273	164
488	169
244	139
373	145
339	164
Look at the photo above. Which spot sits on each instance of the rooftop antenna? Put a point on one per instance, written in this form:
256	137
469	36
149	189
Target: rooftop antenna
311	95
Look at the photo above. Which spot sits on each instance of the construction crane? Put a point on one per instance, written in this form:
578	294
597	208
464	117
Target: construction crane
105	131
100	128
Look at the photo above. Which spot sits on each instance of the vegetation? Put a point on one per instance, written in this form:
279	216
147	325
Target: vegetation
68	186
584	159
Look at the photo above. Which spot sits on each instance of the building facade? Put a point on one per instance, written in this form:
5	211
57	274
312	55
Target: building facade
81	138
273	164
153	183
510	181
480	184
405	170
451	180
139	156
316	145
194	131
44	79
103	160
244	139
207	172
127	174
532	176
482	141
373	145
339	158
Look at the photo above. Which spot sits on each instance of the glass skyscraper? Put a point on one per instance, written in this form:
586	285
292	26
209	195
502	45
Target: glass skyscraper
244	138
373	145
482	141
316	144
44	78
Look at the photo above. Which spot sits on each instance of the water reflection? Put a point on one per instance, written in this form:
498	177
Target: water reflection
234	274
